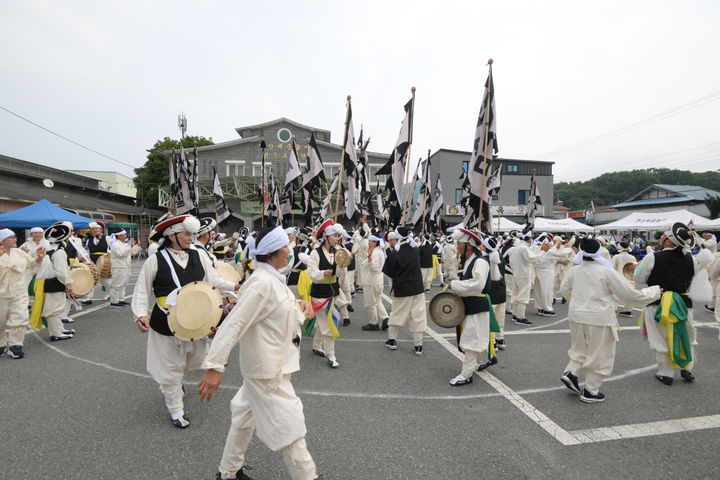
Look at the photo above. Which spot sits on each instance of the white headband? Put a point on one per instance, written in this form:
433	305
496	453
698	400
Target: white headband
189	224
597	256
6	233
271	242
374	238
121	232
36	230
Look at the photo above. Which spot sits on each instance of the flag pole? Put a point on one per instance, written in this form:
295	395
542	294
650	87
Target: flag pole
408	156
486	136
342	158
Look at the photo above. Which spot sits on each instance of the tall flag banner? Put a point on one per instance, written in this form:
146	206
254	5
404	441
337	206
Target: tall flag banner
173	176
272	207
494	182
287	200
533	202
293	165
222	212
326	203
380	213
194	184
477	212
424	200
437	206
183	199
350	163
314	173
395	167
307	205
262	187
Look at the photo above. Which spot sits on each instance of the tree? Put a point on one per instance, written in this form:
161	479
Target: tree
713	204
155	174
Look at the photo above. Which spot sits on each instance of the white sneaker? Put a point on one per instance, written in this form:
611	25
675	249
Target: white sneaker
460	380
333	362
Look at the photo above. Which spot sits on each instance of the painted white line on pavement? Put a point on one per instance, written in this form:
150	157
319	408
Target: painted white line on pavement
637	430
538	327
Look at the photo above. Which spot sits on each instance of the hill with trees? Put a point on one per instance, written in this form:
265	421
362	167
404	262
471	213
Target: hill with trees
615	187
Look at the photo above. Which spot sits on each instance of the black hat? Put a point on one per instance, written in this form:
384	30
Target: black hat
589	245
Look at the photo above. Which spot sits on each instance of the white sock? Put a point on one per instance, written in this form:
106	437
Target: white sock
178	414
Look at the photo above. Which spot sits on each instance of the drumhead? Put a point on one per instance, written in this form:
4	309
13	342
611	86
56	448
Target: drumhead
82	281
198	308
227	272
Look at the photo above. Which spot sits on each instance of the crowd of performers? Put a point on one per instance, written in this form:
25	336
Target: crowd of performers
292	283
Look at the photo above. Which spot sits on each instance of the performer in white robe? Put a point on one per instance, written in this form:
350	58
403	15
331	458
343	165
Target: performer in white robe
591	289
14	317
548	256
37	240
373	286
449	263
266	323
619	261
173	266
475	337
521	259
122	254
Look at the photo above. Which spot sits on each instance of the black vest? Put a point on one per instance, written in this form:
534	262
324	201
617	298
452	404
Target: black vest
99	249
498	290
673	271
325	290
351	267
202	248
403	267
53	285
475	304
163	284
297	266
426	253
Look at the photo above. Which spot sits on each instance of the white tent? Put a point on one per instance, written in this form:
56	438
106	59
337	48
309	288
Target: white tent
560	225
505	225
654	221
708	225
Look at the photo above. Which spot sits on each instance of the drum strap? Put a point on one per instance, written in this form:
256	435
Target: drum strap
162	301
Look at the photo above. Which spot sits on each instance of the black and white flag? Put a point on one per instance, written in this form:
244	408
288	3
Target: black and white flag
533	202
272	208
494	182
395	167
326	203
351	166
293	171
437	206
222	212
183	198
424	200
484	145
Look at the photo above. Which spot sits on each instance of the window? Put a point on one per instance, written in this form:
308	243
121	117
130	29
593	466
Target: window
284	135
466	165
523	196
458	195
513	168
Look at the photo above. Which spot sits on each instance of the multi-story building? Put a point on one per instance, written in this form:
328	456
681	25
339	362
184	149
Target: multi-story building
111	181
515	191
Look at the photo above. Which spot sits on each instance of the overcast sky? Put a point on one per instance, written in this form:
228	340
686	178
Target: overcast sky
114	75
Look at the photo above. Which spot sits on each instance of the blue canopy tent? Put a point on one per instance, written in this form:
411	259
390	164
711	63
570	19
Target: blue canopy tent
41	214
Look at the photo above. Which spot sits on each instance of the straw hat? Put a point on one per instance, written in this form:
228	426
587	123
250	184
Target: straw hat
197	309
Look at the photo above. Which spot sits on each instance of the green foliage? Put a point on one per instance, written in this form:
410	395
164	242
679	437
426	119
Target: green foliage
156	171
713	204
616	187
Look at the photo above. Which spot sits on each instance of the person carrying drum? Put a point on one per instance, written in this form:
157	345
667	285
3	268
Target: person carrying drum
407	290
14	318
322	271
203	236
266	323
173	266
98	245
473	288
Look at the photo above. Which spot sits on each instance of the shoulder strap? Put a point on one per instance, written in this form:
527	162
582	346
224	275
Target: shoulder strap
175	278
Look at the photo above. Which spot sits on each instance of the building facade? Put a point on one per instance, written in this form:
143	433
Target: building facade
239	162
110	181
514	193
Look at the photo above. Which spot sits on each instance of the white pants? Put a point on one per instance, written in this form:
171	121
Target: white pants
427	274
372	299
168	358
657	338
449	268
592	348
520	295
544	284
500	317
323	338
410	312
14	318
470	361
119	280
277	414
53	310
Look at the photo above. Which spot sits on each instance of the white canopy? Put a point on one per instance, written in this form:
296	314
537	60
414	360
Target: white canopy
561	225
655	221
505	225
709	225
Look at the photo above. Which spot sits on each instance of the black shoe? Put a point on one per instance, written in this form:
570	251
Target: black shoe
549	313
67	320
709	309
116	305
687	375
181	422
666	380
346	322
124	303
391	344
492	361
350	308
571	382
522	321
87	302
2	351
319	352
69	332
16	351
588	397
500	344
385	323
554	301
418	350
625	314
369	327
62	336
240	475
563	301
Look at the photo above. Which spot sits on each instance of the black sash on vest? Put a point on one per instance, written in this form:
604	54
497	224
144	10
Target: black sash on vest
297	267
325	290
475	303
498	291
673	271
163	284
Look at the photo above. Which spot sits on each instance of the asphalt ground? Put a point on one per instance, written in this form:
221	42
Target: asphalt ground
86	409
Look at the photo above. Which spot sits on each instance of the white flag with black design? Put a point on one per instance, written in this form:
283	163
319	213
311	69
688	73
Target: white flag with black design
484	145
533	202
437	205
494	182
222	212
326	203
293	165
424	200
183	199
395	167
351	166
